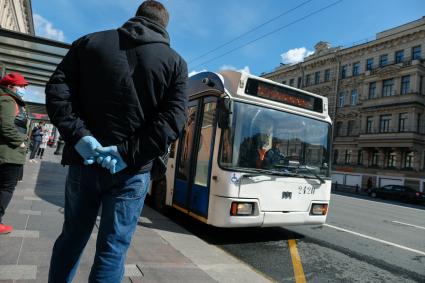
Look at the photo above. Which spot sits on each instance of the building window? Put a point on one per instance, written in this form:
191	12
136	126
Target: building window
284	82
327	75
369	124
391	159
384	123
317	78
423	167
350	128
418	126
399	56
338	129
375	158
341	99
300	79
335	157
360	157
383	60
402	122
354	96
408	160
307	80
369	64
416	52
388	87
372	90
405	85
343	71
291	82
356	69
347	157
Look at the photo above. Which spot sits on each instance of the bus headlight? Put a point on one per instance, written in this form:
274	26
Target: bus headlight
242	208
319	209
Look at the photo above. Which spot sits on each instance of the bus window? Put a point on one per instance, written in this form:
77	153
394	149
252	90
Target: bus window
187	144
263	138
207	131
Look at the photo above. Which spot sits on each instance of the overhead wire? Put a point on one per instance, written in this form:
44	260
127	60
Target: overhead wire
269	33
249	31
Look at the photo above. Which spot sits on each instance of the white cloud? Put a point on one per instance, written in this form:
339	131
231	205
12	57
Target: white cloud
295	55
230	67
192	73
44	28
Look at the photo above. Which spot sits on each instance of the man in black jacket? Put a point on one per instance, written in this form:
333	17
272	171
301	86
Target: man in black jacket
118	97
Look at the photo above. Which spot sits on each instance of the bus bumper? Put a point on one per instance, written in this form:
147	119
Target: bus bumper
291	218
220	215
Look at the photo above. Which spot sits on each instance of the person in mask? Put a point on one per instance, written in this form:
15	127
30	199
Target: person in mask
13	139
118	99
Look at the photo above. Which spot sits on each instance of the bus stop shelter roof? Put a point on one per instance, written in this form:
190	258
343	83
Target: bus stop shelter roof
34	57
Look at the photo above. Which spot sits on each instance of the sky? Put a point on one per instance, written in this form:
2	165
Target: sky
255	36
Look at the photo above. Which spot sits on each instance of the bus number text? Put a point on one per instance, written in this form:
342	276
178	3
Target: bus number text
306	190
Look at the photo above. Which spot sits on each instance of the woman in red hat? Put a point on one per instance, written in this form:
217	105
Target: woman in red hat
13	138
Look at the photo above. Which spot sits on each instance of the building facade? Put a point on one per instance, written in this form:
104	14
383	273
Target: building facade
376	93
16	15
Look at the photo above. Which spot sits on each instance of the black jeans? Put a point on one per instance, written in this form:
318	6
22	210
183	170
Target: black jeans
40	152
35	148
9	175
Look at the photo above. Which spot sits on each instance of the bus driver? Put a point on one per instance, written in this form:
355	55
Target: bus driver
254	147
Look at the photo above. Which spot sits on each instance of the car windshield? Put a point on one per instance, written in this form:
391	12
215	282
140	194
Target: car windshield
260	138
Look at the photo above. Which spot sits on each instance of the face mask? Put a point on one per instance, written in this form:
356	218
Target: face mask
20	91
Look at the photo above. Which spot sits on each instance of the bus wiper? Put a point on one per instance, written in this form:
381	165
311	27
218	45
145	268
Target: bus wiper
258	172
322	181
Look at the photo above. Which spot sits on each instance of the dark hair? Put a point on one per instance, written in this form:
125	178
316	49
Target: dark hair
154	11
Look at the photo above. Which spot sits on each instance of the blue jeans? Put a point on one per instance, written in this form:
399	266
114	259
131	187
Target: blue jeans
122	197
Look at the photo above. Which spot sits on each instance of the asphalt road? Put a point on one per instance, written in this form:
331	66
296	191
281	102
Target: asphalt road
364	240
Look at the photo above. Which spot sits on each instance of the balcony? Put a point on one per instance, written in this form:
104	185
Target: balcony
392	138
394	100
393	64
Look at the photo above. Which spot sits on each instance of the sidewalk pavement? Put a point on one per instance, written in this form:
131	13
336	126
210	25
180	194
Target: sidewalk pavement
161	251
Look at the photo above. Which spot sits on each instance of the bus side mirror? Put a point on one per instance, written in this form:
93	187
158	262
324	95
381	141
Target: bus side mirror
224	112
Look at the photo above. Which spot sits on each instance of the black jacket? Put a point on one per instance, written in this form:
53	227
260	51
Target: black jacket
92	93
37	134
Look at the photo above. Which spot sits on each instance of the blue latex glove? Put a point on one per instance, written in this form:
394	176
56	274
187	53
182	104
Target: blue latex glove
110	158
86	147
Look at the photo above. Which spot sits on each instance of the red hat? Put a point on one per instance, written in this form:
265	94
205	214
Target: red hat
14	79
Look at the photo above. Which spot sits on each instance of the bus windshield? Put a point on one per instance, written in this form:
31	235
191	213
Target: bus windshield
267	140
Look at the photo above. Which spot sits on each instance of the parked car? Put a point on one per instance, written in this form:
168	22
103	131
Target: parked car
397	192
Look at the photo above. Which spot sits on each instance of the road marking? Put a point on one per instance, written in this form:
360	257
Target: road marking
24	234
407	224
388	204
296	262
376	239
29	212
18	272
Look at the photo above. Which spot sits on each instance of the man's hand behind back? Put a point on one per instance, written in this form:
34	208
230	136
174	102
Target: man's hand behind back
86	147
110	158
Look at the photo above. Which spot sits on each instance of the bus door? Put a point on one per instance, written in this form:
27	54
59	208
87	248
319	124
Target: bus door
193	166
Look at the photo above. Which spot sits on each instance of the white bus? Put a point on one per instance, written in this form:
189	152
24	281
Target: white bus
253	153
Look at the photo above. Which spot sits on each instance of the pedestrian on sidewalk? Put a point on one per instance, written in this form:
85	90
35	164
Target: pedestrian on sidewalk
43	144
36	138
369	184
13	139
118	98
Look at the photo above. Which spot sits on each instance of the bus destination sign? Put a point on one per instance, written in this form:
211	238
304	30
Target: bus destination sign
284	95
